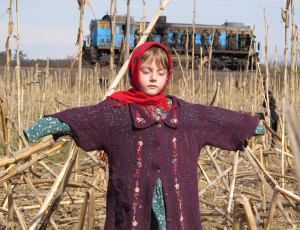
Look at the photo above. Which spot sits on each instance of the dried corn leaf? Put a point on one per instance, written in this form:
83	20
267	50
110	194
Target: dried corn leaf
284	15
10	27
81	2
90	5
287	3
7	44
8	56
295	32
78	37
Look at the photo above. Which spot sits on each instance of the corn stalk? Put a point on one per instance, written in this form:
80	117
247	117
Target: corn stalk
143	23
113	9
61	179
293	40
285	18
10	30
193	51
18	71
89	201
267	77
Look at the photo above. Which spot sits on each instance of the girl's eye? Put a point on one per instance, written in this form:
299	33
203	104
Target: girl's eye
162	73
145	71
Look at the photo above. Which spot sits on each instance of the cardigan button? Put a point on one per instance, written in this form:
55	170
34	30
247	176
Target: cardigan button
166	195
169	220
158	149
158	170
159	125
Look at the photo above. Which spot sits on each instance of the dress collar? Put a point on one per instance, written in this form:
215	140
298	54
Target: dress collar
142	120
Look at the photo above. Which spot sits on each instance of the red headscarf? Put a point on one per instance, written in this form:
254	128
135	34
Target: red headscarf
134	95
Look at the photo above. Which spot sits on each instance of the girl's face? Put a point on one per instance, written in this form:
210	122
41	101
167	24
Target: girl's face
152	78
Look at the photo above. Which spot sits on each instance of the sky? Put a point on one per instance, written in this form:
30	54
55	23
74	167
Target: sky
49	28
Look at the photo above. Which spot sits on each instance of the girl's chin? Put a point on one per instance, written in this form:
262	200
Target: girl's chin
151	92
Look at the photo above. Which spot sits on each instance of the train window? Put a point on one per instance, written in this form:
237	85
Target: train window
131	29
123	28
92	27
118	29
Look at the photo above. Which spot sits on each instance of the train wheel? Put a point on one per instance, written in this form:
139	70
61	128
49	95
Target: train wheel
221	66
243	67
196	64
234	65
215	64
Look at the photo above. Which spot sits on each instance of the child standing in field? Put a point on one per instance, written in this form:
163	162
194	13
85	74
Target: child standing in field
153	143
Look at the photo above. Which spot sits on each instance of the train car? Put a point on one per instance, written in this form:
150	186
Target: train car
97	45
232	45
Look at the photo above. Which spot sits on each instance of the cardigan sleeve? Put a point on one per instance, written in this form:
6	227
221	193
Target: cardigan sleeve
44	127
87	125
226	129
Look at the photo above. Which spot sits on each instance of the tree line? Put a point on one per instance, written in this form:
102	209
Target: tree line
25	61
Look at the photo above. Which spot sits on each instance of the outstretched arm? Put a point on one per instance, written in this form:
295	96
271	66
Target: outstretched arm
228	129
86	125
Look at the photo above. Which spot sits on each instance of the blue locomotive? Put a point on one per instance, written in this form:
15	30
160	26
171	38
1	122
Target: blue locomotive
232	44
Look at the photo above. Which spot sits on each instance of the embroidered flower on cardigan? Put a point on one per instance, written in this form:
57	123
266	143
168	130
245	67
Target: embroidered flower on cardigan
175	170
174	120
134	223
137	189
138	159
140	143
135	204
137	174
139	118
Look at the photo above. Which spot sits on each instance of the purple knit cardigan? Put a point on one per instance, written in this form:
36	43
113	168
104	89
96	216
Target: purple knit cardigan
141	150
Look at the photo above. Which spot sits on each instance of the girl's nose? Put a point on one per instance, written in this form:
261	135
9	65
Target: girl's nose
153	77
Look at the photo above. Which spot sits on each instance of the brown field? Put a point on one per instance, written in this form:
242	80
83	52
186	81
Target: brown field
45	91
